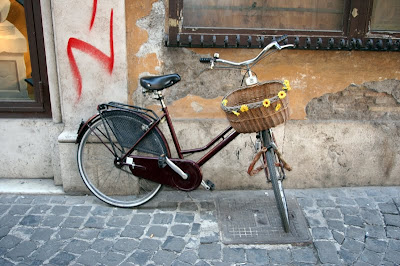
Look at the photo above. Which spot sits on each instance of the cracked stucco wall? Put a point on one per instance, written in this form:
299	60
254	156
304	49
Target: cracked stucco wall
344	103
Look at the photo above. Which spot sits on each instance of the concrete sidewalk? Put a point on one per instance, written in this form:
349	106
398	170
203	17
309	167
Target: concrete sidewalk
359	226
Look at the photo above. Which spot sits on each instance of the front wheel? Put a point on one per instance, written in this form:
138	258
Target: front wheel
105	141
275	174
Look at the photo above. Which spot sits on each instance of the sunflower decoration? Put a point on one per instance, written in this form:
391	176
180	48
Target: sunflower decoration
244	108
278	107
266	103
236	113
224	102
286	85
282	94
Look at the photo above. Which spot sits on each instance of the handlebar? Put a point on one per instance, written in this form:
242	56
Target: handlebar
248	62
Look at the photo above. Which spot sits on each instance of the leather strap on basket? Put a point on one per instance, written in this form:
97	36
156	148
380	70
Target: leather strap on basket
251	171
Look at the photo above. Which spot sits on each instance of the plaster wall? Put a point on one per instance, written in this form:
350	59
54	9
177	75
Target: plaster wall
340	109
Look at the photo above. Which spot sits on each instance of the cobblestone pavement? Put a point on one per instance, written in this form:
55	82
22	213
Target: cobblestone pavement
349	226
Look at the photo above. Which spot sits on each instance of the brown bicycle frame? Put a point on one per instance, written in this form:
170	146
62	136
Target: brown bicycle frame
224	140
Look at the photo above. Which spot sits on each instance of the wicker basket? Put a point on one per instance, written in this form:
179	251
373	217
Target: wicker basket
258	117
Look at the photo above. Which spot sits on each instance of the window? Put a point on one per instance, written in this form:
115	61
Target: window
23	73
310	24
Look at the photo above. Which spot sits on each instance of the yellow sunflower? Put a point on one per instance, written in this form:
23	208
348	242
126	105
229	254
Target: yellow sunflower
224	102
282	94
266	102
244	108
278	107
236	113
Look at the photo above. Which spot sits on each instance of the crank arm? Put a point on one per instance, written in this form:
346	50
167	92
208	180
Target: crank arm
176	168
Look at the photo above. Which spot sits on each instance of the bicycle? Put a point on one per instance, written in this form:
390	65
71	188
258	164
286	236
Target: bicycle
124	158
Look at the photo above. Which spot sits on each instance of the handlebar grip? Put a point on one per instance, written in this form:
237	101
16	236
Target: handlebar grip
284	37
205	60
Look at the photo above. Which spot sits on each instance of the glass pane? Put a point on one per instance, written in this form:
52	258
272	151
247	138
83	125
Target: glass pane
386	15
15	63
262	14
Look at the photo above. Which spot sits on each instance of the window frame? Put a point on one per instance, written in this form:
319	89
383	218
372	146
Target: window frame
354	33
40	107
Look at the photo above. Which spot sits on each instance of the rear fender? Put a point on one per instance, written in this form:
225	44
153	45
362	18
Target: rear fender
84	126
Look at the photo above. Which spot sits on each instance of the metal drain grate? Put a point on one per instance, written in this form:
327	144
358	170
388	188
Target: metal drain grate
253	218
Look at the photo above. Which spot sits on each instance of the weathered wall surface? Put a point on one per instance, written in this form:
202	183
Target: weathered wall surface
345	121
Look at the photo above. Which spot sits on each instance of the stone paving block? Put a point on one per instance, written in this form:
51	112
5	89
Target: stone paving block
327	252
89	258
46	251
158	231
392	220
117	222
43	234
257	256
393	232
376	245
21	251
210	251
140	257
175	244
346	201
101	211
184	218
338	236
112	258
188	256
394	244
122	212
164	257
393	256
208	205
353	220
19	209
372	217
40	209
365	203
280	256
149	244
31	220
195	229
64	233
77	246
349	210
133	231
9	241
162	218
337	225
304	255
356	233
348	257
87	234
73	222
388	207
81	211
375	231
52	220
95	222
180	229
233	255
60	210
125	245
332	214
371	257
10	220
167	206
180	263
102	245
62	258
188	206
211	238
4	231
321	233
109	233
140	219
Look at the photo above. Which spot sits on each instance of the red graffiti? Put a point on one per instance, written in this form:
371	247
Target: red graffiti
74	43
94	10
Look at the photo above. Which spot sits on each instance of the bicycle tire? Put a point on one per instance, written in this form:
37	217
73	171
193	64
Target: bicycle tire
274	172
107	137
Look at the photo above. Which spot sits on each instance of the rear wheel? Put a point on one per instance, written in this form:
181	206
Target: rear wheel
100	149
275	174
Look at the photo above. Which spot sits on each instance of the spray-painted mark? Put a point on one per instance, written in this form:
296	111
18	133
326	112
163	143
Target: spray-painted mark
74	43
94	10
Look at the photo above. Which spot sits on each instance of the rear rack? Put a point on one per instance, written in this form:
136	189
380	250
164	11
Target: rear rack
130	108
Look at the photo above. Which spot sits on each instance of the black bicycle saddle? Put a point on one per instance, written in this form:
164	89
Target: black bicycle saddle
157	83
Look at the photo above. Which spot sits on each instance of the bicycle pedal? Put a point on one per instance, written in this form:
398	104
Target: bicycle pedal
210	184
